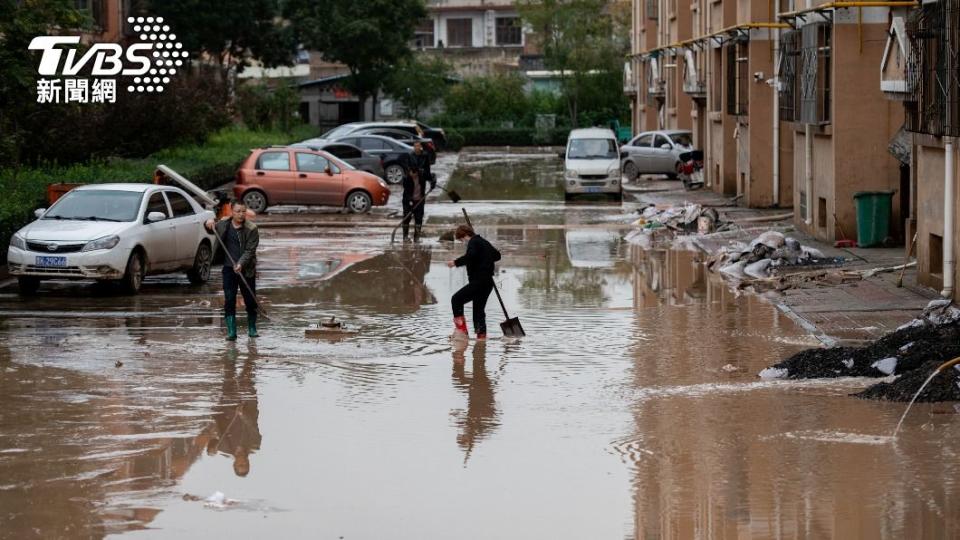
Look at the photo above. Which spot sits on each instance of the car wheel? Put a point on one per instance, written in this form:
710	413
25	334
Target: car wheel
359	202
200	272
631	171
394	173
568	197
133	277
617	197
28	285
255	200
676	174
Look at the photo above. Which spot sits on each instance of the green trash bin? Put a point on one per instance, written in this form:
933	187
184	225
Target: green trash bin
873	217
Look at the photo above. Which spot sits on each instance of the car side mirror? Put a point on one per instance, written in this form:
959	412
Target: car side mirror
328	171
666	146
154	217
39	212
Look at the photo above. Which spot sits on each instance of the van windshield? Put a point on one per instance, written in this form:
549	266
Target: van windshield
593	149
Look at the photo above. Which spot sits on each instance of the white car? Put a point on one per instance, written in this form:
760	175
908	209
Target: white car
592	164
655	152
114	232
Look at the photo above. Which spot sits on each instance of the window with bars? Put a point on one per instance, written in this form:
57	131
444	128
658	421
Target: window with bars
716	81
459	32
933	69
509	31
95	8
738	77
652	8
787	66
423	34
814	73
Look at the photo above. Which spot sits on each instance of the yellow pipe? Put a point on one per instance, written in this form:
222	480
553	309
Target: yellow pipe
840	5
948	363
744	26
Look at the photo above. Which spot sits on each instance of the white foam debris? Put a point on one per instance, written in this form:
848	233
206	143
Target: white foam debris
848	363
905	347
774	373
218	500
886	365
730	368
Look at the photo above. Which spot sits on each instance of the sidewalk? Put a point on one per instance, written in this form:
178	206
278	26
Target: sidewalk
835	312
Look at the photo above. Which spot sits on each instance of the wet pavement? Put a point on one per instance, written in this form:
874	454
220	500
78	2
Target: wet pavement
631	410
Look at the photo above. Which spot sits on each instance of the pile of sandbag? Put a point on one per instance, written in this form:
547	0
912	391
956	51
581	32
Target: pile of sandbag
767	253
684	218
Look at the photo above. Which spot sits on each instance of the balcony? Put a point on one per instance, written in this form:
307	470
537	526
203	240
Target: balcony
933	69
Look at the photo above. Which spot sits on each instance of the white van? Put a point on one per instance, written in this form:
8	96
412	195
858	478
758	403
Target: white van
592	163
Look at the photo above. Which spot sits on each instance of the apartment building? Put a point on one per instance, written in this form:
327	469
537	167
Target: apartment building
782	96
920	72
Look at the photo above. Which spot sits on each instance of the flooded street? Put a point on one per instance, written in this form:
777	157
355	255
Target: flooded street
631	410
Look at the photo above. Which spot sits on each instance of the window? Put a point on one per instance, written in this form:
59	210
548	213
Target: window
935	255
643	140
509	31
423	34
274	161
716	81
933	69
738	78
157	204
312	163
821	212
682	139
660	140
814	73
180	205
787	66
652	9
460	32
344	151
93	7
593	149
369	143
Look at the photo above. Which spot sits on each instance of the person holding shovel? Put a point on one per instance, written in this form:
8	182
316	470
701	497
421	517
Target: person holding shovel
415	191
239	237
479	260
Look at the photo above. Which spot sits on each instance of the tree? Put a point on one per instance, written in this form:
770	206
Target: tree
230	32
419	82
578	40
370	37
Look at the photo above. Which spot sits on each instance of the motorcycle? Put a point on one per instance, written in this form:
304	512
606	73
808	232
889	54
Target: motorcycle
691	170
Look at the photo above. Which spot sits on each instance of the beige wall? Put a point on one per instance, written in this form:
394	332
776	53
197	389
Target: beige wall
929	161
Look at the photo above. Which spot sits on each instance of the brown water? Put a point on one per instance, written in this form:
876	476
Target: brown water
632	410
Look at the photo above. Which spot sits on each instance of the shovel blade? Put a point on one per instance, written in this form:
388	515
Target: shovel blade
512	328
454	196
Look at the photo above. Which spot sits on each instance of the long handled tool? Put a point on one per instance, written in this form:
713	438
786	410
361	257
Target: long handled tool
907	260
454	197
510	327
240	274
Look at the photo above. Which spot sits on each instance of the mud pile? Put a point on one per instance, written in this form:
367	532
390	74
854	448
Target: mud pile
912	352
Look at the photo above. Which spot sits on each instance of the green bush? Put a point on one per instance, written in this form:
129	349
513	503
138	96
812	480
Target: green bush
208	165
261	107
489	136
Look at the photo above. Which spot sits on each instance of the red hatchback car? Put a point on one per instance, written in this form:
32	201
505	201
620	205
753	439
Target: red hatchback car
284	175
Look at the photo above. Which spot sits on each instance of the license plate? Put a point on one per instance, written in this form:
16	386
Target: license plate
593	190
52	261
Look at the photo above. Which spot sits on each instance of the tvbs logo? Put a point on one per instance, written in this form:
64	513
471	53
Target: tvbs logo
149	65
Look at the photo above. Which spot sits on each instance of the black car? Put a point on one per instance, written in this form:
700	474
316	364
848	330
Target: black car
349	153
389	150
403	136
420	129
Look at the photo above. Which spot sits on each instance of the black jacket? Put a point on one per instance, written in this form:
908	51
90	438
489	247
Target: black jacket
421	165
479	259
249	241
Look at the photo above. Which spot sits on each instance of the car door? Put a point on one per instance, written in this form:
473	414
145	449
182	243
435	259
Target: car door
275	174
159	237
319	181
663	157
641	152
375	146
186	221
346	152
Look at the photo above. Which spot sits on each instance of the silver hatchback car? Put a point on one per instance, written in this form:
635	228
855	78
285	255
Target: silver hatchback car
655	152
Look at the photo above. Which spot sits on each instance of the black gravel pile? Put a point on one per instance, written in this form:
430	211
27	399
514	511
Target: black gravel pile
912	347
943	387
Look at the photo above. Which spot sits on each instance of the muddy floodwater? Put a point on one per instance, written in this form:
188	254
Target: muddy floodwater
631	410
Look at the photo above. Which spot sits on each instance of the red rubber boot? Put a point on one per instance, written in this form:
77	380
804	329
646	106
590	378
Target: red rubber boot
460	328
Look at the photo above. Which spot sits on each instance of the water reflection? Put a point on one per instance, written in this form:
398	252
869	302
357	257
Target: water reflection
237	429
515	176
481	417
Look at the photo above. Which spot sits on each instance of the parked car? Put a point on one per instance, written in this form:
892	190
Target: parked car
390	150
413	127
290	175
114	232
403	136
655	152
592	163
348	153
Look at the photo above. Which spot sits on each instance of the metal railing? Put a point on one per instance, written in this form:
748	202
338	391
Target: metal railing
933	69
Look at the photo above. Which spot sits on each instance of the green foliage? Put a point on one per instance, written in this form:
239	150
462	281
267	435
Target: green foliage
523	136
418	82
494	101
208	165
370	37
261	107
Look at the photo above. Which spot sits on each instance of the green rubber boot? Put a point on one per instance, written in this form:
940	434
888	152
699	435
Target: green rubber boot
231	321
252	325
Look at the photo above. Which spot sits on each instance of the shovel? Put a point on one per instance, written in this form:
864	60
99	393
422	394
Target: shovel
243	280
454	196
509	327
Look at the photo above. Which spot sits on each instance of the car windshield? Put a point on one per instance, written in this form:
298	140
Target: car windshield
592	149
683	139
337	132
97	205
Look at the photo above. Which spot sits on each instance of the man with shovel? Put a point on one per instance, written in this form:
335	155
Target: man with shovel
239	237
479	260
415	191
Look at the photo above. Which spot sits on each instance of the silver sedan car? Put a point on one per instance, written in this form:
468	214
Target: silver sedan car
655	152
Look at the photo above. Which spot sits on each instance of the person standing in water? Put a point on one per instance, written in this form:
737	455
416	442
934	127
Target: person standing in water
240	237
415	190
479	259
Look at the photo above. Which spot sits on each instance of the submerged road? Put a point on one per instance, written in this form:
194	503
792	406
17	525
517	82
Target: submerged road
631	410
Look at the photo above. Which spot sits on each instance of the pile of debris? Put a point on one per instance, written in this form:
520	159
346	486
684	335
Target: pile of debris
912	351
767	254
690	218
